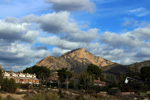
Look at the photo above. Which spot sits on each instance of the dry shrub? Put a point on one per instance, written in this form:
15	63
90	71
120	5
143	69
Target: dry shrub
35	97
44	96
7	98
52	96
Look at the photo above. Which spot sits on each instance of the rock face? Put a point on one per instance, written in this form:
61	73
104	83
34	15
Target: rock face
76	61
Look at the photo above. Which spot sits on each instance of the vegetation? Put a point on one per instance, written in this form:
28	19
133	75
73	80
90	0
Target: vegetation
113	91
9	85
145	74
45	96
86	80
64	74
56	96
42	73
7	98
95	71
137	81
112	81
1	76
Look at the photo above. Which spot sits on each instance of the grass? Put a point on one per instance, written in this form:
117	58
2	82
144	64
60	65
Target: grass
43	96
7	98
143	94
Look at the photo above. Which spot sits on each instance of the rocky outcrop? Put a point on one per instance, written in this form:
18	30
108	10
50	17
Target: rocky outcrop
76	61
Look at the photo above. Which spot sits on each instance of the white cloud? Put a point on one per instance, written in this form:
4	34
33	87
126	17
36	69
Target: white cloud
121	40
11	32
56	41
57	23
72	5
129	47
83	36
139	11
58	51
61	24
20	55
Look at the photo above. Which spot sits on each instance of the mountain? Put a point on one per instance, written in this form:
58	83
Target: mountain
1	68
76	60
137	66
115	69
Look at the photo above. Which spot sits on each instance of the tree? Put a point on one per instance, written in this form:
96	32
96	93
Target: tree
9	85
112	81
86	80
145	73
64	74
95	71
42	73
1	76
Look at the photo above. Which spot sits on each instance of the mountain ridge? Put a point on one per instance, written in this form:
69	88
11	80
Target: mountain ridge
76	60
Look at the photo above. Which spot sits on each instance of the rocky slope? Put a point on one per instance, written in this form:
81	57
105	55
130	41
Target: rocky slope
76	61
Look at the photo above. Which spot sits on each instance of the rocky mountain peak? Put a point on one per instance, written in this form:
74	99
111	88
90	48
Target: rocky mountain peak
74	60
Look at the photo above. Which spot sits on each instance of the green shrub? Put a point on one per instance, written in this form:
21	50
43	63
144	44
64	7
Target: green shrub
9	85
23	86
113	91
98	89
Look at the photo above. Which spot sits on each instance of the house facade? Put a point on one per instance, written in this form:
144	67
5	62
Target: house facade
99	83
23	78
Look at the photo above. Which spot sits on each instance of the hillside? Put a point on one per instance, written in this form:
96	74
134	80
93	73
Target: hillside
76	61
137	66
1	68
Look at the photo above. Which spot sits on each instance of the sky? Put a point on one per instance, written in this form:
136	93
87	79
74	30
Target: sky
117	30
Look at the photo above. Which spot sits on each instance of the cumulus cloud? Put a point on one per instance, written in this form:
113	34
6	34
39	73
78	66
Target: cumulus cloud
83	36
59	51
121	40
18	38
61	24
130	47
14	31
133	38
57	23
72	5
16	41
56	41
20	55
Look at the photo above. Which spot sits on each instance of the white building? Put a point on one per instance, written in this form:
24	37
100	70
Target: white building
23	78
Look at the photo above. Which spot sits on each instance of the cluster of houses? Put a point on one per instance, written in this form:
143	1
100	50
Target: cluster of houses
26	78
23	78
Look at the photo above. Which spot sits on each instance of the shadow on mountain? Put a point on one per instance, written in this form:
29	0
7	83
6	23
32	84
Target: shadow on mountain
115	69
